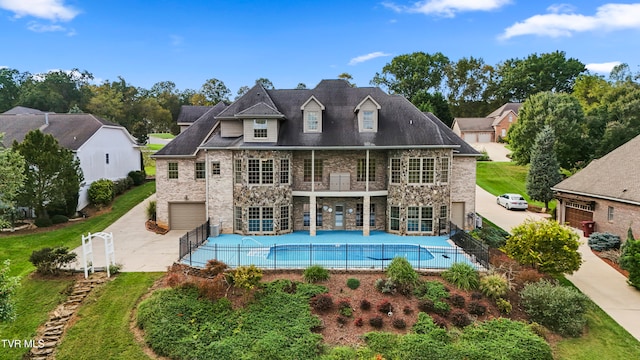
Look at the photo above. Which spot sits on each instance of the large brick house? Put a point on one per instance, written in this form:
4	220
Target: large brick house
491	128
607	192
334	157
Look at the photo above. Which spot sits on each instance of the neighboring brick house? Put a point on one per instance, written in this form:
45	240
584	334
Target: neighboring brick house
491	128
607	192
334	157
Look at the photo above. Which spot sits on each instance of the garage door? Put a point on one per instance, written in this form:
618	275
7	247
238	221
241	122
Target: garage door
484	137
186	216
574	216
470	137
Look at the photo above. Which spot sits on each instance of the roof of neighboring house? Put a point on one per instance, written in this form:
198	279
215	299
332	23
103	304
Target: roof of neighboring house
71	130
187	142
515	107
21	110
474	124
614	176
400	123
191	113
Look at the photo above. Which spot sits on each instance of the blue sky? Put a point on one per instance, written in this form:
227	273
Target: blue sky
295	41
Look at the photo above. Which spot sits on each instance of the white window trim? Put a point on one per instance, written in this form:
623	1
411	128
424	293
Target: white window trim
420	219
261	171
421	180
260	126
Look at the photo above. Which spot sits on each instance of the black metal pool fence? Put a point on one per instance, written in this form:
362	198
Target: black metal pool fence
301	256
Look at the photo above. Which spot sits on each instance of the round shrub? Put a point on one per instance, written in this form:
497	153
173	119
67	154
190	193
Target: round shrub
353	283
477	308
59	219
460	318
399	323
462	275
504	306
494	285
425	305
315	273
376	322
358	322
138	177
401	272
43	222
407	310
385	286
384	307
365	305
457	300
603	241
322	302
342	320
561	309
441	308
101	192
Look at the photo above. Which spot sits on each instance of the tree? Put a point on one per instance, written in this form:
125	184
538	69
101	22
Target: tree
560	111
546	245
301	86
348	78
10	82
214	91
55	91
410	73
590	90
619	116
433	103
8	287
241	91
266	83
544	171
522	78
468	83
53	174
12	179
630	259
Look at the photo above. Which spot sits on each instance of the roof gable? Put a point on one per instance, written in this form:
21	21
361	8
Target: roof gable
368	98
190	113
474	124
255	95
312	98
260	109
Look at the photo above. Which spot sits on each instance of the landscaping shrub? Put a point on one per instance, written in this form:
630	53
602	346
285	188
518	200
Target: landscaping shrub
341	320
51	260
211	289
365	304
407	310
612	255
477	308
433	290
457	300
138	177
504	306
376	322
59	219
476	295
385	286
425	305
315	273
559	308
460	318
353	283
384	307
492	236
344	307
630	259
150	210
502	339
399	323
441	308
43	222
462	275
122	185
527	276
8	287
427	325
246	277
175	279
322	302
440	321
494	285
214	267
402	273
101	192
603	241
358	322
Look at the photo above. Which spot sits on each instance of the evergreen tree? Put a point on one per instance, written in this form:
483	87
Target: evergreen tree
544	171
53	173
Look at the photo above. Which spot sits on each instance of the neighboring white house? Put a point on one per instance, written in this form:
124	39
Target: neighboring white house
105	150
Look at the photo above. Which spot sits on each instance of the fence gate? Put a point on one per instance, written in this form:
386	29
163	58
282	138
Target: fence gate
87	252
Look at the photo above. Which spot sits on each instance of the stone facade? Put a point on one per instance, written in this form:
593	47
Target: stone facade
186	188
463	186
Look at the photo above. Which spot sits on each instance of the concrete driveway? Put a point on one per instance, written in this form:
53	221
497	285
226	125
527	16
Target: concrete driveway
599	281
496	151
136	248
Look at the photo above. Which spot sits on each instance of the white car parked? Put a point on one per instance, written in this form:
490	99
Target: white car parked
512	201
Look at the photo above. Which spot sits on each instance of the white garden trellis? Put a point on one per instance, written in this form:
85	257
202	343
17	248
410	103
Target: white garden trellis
87	252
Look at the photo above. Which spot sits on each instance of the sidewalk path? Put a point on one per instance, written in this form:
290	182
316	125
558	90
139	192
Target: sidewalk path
136	248
595	278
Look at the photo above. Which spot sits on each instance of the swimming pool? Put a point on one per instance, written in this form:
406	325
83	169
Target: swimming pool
352	252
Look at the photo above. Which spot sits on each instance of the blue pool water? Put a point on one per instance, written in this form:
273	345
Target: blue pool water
354	252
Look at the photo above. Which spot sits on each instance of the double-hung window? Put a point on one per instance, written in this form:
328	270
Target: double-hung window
367	120
395	171
200	170
172	170
317	170
444	170
260	129
312	120
394	218
260	171
215	168
260	219
362	171
285	171
421	170
420	219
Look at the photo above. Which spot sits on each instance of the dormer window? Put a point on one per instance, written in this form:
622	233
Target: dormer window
259	128
312	115
367	111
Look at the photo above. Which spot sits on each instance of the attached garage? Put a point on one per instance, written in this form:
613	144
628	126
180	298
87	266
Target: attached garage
470	137
574	216
484	137
186	215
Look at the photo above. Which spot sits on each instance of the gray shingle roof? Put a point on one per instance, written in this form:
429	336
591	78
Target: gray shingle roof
474	124
71	130
400	123
21	110
260	109
187	142
191	113
615	175
515	107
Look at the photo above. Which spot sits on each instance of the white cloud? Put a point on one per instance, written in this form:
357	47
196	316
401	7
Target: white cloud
447	8
604	68
54	10
37	27
562	21
367	57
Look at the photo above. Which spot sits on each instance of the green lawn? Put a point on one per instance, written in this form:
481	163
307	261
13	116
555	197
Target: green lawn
505	177
36	298
102	330
155	147
162	135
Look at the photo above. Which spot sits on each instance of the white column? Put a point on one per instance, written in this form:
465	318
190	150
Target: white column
366	215
312	215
